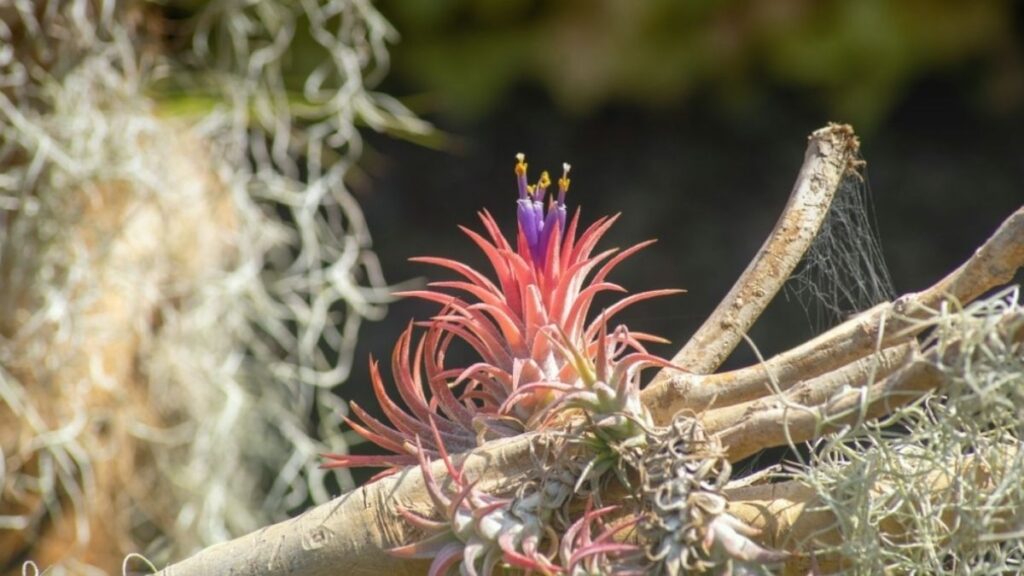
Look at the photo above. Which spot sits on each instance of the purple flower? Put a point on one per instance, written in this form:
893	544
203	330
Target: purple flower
529	326
539	226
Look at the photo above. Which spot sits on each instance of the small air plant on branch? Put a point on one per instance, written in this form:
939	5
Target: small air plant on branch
544	364
481	532
538	350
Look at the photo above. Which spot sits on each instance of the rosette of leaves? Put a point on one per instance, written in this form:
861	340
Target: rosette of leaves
539	355
537	350
688	528
480	532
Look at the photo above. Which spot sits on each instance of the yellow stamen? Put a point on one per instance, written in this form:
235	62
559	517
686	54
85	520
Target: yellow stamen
520	164
563	182
545	180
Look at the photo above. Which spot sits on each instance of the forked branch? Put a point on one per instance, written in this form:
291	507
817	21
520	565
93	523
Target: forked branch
885	325
831	154
352	533
791	419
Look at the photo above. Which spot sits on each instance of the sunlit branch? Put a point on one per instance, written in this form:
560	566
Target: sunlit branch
352	533
885	325
814	391
831	154
785	422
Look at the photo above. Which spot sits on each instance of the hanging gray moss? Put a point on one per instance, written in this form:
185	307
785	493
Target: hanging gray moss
179	293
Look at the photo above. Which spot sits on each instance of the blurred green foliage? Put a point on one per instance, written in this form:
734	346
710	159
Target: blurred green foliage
853	58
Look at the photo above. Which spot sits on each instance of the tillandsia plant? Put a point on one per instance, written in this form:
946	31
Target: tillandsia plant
544	365
539	352
481	532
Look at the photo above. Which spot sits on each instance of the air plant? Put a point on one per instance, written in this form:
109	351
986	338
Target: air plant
538	356
581	553
543	364
538	351
479	532
617	424
689	528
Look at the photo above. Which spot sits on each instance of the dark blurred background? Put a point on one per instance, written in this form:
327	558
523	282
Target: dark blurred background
691	119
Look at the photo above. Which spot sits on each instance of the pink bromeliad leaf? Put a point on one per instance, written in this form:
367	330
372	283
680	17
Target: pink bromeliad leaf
477	532
529	324
580	552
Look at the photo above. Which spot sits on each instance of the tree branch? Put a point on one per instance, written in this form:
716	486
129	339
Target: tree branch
814	391
885	325
831	154
788	424
744	432
788	515
352	533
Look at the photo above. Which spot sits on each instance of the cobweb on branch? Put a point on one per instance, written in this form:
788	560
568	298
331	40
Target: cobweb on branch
934	486
844	271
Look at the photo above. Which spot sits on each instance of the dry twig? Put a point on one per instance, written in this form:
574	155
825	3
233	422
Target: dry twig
831	153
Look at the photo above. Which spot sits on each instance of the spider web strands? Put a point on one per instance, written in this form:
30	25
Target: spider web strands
247	348
843	272
830	156
883	326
